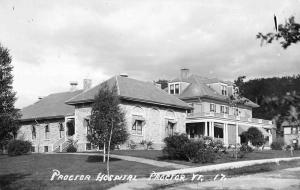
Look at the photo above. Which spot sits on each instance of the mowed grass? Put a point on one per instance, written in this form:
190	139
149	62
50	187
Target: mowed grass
34	171
255	155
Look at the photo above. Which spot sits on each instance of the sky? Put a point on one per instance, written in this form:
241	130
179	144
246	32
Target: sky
55	42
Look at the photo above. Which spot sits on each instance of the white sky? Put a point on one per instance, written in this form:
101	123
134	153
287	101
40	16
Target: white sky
55	42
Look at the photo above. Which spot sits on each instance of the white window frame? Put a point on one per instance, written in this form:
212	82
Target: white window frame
172	88
175	87
224	90
61	132
222	110
47	132
214	107
226	110
134	127
171	128
33	126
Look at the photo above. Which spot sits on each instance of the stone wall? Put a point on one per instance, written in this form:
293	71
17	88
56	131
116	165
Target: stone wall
39	143
153	129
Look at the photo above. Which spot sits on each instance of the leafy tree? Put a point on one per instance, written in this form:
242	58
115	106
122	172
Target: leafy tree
288	33
276	97
8	114
239	82
107	124
254	136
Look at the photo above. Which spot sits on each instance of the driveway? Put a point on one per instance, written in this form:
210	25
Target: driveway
286	179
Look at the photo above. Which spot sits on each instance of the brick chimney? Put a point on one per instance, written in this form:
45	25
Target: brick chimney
184	74
87	84
73	86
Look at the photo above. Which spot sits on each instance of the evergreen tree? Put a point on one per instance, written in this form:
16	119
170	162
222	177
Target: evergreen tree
8	114
107	124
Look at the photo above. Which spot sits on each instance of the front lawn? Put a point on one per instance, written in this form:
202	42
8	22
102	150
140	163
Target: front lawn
256	155
34	171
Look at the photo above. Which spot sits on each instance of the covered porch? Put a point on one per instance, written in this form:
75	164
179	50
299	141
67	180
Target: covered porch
198	129
226	131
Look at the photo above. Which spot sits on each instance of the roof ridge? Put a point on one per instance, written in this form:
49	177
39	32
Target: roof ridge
118	87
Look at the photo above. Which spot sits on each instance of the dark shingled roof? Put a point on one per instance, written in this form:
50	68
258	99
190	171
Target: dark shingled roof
198	88
131	89
52	106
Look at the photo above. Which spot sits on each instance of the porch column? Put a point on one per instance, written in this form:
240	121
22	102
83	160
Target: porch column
212	129
237	133
270	137
225	137
205	128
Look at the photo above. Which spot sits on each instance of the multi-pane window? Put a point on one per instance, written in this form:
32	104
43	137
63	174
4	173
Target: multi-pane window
33	132
213	107
61	130
47	132
86	124
222	109
172	89
137	127
227	110
224	90
176	88
294	130
236	111
170	128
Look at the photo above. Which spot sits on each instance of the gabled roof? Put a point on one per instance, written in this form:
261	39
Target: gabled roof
199	88
52	106
132	89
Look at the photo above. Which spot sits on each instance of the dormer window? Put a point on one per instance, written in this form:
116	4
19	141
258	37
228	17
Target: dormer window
224	90
174	88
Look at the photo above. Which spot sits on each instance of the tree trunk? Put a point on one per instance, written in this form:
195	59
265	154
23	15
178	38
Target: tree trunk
104	153
108	151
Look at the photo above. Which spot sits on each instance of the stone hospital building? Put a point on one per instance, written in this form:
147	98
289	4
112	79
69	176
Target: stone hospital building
191	104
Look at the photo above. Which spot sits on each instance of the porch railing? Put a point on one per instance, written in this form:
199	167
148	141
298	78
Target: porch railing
229	117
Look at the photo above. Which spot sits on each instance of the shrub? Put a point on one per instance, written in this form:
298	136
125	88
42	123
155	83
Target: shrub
18	147
200	151
277	144
147	144
175	146
132	145
243	150
72	146
246	148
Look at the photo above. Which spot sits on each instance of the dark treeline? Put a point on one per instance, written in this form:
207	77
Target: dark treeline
271	94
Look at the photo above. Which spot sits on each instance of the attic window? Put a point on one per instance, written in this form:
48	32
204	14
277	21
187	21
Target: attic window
176	88
172	89
224	90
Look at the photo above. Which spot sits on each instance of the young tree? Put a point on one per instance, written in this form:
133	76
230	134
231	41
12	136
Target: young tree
236	100
8	114
289	33
107	124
